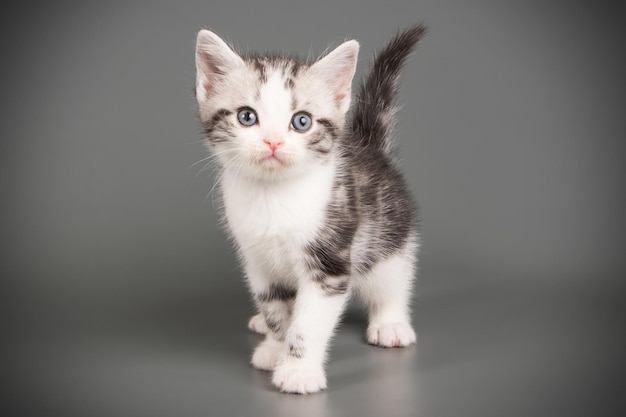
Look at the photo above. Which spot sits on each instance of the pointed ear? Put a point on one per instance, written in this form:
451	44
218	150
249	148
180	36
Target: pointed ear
214	59
337	69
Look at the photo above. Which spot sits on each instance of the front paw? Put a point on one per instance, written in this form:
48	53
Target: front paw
297	377
266	353
257	324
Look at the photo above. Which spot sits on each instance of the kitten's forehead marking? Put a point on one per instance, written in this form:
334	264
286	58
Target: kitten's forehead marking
260	69
275	102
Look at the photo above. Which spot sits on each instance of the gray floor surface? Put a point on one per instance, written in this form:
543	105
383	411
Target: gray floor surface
488	346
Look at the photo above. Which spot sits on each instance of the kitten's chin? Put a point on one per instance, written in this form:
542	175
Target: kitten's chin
273	163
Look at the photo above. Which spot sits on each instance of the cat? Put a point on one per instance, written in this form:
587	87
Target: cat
312	197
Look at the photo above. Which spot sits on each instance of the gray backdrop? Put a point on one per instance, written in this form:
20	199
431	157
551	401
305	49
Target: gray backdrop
122	297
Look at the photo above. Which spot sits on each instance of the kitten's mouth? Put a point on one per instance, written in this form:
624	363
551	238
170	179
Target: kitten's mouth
272	161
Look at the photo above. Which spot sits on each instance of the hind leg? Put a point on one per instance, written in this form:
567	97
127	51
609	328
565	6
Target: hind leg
387	292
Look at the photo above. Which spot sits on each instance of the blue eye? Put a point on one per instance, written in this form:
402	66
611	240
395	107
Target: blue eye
301	122
247	117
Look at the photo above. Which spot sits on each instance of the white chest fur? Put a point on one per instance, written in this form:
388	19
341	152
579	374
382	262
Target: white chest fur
272	222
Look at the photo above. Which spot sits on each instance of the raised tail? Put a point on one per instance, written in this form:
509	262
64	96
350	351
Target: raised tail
374	111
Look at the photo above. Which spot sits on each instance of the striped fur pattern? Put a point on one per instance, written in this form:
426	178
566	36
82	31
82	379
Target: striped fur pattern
317	213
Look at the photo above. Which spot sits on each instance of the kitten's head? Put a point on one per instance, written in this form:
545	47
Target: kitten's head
267	116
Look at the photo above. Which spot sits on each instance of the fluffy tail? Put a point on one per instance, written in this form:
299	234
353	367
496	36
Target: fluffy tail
373	117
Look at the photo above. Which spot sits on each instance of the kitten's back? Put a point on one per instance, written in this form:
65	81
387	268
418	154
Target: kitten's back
387	214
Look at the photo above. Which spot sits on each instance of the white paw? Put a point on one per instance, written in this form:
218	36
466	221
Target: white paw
266	354
299	378
391	335
257	324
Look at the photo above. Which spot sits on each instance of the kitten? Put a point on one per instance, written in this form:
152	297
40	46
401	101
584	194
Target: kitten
312	199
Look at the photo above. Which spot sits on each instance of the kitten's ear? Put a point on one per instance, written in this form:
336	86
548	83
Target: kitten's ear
214	59
337	68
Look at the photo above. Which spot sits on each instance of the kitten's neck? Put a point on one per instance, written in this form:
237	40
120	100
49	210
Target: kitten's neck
258	209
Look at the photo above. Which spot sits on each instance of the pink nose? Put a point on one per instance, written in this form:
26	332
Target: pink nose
274	144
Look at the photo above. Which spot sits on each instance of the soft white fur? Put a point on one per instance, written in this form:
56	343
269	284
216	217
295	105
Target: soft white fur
274	207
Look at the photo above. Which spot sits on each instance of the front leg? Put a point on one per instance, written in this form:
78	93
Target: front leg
275	303
317	308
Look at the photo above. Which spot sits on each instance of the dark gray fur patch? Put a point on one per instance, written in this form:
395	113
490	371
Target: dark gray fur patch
290	66
215	128
331	129
277	292
322	142
295	68
331	285
276	315
329	253
259	66
272	324
296	347
294	102
385	207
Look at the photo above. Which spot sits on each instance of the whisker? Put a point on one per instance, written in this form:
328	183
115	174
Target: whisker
219	176
246	161
207	165
211	156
